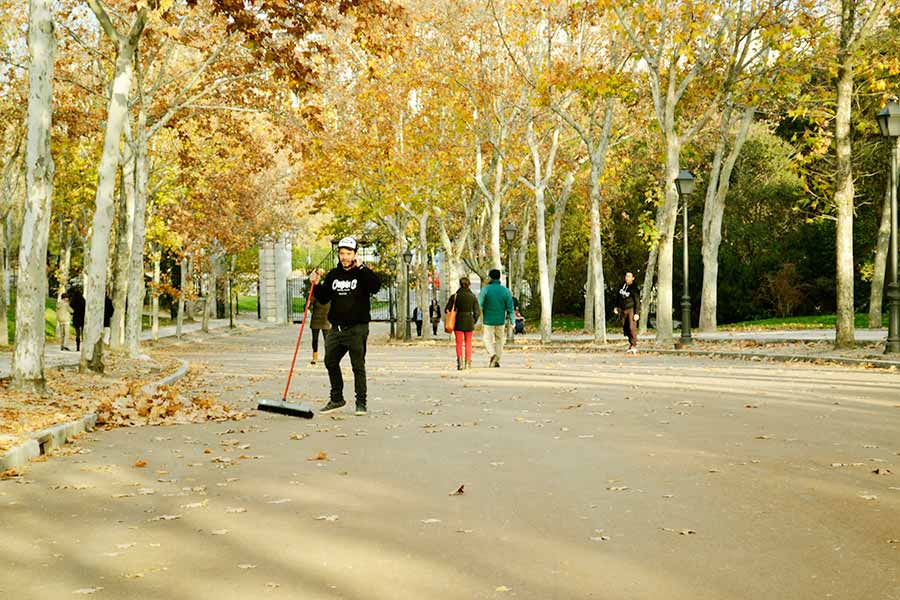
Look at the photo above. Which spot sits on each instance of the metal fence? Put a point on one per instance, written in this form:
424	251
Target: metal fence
383	303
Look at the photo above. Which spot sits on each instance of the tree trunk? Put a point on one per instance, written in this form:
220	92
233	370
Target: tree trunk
589	295
843	200
647	289
179	319
95	271
521	254
136	287
543	275
666	229
882	244
556	229
598	298
4	286
155	296
124	217
713	212
31	287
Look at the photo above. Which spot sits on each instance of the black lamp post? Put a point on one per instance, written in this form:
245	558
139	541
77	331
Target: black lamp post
685	185
889	121
392	265
510	232
407	258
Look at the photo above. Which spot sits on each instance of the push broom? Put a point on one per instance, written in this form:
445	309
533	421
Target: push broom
282	406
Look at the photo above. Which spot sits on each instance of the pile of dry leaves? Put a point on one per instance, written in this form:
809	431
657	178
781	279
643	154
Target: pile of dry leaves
117	396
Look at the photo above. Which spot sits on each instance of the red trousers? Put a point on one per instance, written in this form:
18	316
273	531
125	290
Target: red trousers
460	337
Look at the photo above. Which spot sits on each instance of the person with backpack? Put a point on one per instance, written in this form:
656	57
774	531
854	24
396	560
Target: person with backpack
468	312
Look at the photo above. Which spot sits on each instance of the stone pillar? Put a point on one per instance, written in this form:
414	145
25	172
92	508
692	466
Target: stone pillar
274	271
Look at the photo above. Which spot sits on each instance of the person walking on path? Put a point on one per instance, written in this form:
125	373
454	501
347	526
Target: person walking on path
434	313
347	287
108	311
63	320
496	305
417	319
318	322
628	304
76	301
467	314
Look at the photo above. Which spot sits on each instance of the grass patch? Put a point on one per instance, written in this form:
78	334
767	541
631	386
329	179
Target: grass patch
861	321
247	304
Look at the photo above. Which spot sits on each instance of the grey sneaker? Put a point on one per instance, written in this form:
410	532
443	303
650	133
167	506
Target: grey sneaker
361	410
332	406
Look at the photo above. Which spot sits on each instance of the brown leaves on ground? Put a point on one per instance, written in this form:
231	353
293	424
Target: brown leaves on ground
165	405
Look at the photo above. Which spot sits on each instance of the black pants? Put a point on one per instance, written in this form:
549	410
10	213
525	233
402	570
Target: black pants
315	340
434	325
630	327
79	330
419	328
340	341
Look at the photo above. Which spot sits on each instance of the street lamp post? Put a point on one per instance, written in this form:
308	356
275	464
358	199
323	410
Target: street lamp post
391	266
407	258
510	232
685	185
889	121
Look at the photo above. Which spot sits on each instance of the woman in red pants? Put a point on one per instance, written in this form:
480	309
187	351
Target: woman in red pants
467	314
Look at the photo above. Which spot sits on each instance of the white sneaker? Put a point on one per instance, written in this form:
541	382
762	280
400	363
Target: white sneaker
631	351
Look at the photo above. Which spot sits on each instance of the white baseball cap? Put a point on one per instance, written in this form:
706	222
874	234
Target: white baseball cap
348	242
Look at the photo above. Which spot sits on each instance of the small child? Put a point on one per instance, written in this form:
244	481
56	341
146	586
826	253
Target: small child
63	320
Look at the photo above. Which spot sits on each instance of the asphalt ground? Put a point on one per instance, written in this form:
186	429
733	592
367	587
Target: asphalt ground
585	475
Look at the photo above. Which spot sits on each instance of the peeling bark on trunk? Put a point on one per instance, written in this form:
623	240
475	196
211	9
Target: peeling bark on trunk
882	243
713	212
155	296
136	287
28	355
589	297
556	229
97	253
124	216
666	227
4	286
843	200
179	319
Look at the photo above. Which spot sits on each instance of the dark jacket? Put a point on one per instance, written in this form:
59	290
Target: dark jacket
108	311
348	291
76	301
629	297
319	315
467	310
434	311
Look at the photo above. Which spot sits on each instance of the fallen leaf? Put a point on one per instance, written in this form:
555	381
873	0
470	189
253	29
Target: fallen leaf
92	590
331	518
281	501
319	456
219	531
195	504
868	496
140	464
501	588
246	566
680	531
298	436
166	518
430	521
459	491
231	510
464	530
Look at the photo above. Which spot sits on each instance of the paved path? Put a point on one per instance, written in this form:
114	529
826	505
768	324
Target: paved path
54	357
586	476
774	335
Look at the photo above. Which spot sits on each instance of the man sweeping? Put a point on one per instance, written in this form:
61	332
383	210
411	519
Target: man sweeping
347	287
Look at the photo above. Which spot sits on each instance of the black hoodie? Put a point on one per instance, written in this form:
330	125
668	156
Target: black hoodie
348	291
629	297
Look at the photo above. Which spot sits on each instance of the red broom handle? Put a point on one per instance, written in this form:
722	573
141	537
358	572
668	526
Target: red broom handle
297	347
